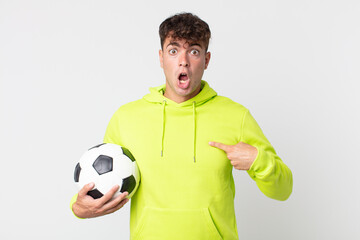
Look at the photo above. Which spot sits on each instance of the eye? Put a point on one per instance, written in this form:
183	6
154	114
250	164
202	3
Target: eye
195	52
172	51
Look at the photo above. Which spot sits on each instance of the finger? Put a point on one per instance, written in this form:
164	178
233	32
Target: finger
85	189
116	203
221	146
117	207
107	196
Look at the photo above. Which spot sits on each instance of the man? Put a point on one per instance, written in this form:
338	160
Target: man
186	140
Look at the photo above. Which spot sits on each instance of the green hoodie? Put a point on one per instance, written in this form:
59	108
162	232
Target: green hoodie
187	188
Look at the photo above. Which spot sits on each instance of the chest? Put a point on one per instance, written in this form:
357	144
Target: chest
182	136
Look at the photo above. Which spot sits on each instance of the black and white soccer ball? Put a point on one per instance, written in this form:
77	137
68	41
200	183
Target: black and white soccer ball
107	165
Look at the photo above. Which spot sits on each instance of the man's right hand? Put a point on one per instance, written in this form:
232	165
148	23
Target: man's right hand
88	207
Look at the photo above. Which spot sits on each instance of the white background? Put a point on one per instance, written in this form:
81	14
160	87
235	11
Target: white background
66	66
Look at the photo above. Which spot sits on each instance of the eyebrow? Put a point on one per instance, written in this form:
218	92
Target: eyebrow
195	44
176	44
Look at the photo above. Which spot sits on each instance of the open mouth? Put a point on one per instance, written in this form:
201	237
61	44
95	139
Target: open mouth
184	82
183	77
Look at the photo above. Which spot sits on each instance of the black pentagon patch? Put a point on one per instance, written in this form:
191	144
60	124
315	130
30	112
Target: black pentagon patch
95	193
77	172
97	146
128	154
128	184
103	164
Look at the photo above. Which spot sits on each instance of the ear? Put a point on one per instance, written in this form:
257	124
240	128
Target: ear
207	59
161	58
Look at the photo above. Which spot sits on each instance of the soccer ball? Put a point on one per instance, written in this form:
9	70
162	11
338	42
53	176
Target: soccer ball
107	165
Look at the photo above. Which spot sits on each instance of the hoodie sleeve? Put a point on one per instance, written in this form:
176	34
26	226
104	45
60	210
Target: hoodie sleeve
111	136
271	175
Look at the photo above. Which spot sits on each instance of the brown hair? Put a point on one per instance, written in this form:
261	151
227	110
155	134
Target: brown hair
185	26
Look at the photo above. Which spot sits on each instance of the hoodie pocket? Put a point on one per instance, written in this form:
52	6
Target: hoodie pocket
176	224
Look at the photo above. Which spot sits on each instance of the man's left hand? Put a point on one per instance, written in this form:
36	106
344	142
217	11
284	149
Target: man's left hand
241	155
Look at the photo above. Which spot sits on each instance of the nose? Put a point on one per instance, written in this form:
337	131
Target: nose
183	60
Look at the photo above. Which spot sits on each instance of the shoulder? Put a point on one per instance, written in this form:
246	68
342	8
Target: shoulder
227	108
131	107
227	103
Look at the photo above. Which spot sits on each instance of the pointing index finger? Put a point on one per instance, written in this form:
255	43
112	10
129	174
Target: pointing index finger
221	146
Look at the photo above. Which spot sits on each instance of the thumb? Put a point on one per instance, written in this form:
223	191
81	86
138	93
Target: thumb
86	188
221	146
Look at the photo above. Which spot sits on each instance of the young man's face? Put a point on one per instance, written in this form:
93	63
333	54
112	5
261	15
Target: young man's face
184	64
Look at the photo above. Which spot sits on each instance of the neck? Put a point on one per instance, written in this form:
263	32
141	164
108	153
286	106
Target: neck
178	98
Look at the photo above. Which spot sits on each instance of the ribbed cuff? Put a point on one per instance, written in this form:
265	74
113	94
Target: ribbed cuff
73	200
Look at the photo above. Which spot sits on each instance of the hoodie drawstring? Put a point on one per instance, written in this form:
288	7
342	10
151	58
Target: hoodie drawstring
163	129
194	116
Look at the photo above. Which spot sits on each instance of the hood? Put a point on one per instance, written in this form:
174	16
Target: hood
156	95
